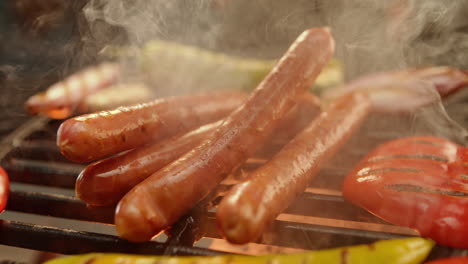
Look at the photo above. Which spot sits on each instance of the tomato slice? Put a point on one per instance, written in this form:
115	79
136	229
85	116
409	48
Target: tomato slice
418	182
4	188
454	260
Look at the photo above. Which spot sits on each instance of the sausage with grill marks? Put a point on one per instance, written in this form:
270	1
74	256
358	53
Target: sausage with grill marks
166	195
251	206
104	182
93	136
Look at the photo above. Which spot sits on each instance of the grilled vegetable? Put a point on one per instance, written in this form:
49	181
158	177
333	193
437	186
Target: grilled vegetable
454	260
162	63
397	251
4	189
418	182
201	69
411	88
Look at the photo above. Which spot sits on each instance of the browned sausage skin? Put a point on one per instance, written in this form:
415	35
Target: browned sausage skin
93	136
165	196
250	206
294	122
104	182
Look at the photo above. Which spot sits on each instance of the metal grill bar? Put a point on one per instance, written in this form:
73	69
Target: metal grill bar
42	173
75	242
72	208
320	205
58	206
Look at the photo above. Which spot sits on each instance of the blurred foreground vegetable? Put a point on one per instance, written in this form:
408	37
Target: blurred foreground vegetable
398	251
4	189
454	260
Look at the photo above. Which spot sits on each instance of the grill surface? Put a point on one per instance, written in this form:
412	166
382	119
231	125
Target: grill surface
320	218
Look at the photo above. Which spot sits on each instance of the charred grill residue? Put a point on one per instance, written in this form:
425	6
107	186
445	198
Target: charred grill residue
344	256
90	260
409	156
420	189
380	170
426	142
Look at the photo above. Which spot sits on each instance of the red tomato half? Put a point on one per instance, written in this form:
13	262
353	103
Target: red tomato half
455	260
418	182
4	188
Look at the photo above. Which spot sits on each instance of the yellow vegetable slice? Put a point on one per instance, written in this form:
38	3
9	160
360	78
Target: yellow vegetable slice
398	251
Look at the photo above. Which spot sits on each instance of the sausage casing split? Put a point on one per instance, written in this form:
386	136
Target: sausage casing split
166	195
93	136
251	206
60	100
104	182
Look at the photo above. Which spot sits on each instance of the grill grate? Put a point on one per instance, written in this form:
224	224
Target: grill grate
320	218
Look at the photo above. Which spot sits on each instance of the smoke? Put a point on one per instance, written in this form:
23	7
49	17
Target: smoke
386	35
440	35
374	36
167	69
261	29
371	35
144	20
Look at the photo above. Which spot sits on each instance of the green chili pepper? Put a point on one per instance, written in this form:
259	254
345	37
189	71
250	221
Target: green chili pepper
408	250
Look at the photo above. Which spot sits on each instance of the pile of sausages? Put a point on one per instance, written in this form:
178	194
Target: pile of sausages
157	160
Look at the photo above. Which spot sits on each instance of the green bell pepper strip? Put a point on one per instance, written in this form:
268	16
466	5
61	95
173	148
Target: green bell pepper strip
397	251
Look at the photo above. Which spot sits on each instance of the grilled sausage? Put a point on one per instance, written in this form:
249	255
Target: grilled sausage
60	100
105	182
250	206
93	136
166	195
294	122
